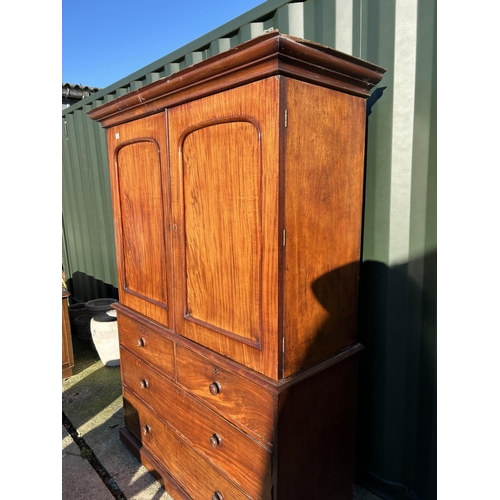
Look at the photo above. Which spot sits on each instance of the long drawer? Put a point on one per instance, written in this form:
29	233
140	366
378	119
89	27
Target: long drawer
238	398
223	444
200	479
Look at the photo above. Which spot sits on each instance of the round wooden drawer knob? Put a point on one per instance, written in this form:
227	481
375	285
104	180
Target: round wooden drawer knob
215	440
146	429
141	342
217	496
144	383
215	388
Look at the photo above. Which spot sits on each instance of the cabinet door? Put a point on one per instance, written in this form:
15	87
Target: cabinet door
224	157
139	180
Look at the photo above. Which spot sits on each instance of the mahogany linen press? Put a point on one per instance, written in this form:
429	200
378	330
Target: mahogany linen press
237	187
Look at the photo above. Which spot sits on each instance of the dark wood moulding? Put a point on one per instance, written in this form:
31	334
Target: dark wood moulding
267	55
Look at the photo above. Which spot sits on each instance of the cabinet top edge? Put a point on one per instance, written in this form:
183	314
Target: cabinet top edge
270	54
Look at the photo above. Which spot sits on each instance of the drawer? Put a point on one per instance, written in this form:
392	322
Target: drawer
238	398
200	479
224	445
147	343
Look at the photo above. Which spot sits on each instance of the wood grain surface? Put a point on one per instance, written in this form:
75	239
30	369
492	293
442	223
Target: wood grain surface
224	160
140	193
323	212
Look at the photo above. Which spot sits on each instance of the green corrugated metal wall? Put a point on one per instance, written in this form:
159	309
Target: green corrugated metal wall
397	424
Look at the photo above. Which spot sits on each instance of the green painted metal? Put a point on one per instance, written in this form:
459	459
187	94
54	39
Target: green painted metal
397	426
89	251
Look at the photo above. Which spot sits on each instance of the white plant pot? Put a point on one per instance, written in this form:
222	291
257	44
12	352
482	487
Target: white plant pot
104	328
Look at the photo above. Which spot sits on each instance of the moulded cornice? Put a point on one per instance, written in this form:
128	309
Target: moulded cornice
270	54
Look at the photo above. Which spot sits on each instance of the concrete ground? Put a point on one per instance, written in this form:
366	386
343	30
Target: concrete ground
95	463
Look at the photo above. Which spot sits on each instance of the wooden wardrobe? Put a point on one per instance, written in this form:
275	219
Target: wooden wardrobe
237	196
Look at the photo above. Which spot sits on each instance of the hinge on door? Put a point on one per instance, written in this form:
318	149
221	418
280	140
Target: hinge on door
286	118
284	237
66	130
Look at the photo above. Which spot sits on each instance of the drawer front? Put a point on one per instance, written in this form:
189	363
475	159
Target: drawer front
239	398
223	444
200	479
146	343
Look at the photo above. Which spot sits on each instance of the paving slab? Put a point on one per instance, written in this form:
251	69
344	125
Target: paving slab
79	479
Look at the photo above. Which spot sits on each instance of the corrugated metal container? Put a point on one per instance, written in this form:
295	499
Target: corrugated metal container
397	405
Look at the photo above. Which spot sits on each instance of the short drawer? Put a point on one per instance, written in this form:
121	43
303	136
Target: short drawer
224	445
147	343
240	399
200	479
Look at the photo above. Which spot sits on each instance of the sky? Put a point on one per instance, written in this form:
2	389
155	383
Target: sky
105	41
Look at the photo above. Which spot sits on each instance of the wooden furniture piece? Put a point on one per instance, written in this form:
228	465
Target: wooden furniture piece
237	195
68	360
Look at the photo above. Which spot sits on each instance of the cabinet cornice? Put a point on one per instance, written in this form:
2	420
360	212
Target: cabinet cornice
267	55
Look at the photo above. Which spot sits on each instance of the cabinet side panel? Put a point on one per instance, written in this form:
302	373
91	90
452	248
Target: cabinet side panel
140	202
325	140
316	435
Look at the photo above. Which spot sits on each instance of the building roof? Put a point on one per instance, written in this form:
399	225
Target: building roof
75	92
